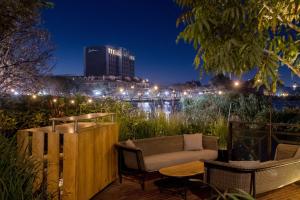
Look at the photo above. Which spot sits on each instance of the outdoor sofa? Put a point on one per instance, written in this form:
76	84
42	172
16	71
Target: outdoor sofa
147	156
256	177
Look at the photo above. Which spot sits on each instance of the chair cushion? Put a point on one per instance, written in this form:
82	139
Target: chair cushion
192	142
285	151
158	161
130	143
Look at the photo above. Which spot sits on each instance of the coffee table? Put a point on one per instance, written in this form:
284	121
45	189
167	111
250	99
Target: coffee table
175	178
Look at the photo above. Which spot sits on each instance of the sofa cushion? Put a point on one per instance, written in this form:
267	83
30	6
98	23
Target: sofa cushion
285	151
158	161
297	154
193	142
158	145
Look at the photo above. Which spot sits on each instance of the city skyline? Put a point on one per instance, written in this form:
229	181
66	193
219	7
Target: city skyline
147	29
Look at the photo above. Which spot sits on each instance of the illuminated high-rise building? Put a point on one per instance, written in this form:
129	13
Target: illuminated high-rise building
108	60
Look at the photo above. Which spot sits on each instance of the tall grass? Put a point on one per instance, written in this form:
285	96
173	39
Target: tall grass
17	173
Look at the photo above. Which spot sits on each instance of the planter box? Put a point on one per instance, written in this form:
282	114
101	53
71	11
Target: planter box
76	159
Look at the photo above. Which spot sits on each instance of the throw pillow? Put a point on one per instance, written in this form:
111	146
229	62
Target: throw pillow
193	142
130	143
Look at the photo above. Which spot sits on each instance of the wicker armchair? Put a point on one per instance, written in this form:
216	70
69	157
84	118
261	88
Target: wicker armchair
256	178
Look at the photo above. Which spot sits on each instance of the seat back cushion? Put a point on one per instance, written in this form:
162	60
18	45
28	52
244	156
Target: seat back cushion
285	151
193	142
158	145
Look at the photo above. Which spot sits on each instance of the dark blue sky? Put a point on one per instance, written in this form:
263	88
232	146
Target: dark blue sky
147	28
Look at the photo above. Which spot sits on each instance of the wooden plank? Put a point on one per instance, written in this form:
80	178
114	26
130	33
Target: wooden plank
115	159
98	169
38	156
70	149
23	141
53	163
86	141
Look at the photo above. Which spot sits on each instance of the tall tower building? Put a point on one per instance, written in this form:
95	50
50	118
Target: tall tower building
108	60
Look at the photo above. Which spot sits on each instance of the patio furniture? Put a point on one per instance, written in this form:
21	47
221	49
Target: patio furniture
176	178
256	177
152	154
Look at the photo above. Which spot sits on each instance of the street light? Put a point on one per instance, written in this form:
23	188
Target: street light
72	101
34	96
155	87
90	100
121	90
54	100
132	87
220	92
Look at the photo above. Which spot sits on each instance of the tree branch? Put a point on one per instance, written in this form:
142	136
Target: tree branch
288	64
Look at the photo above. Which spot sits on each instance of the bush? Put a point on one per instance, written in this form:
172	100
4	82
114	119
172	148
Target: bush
17	173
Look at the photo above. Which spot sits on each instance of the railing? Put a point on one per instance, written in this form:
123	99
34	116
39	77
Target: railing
77	159
259	140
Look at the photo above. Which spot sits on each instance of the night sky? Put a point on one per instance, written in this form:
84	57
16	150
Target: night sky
147	28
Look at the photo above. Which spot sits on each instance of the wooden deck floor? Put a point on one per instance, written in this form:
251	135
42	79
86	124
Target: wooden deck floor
129	190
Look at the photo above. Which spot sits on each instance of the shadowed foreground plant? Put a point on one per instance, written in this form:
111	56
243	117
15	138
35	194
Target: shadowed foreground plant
17	173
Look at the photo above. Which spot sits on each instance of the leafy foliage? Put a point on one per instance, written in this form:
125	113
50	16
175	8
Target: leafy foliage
234	36
17	173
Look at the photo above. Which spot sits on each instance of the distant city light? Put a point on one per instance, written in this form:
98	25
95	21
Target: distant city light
132	87
173	91
259	80
12	90
16	93
285	94
236	83
220	92
121	90
200	93
295	86
184	93
167	93
97	92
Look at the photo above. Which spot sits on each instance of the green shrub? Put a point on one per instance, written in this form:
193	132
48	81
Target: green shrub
17	173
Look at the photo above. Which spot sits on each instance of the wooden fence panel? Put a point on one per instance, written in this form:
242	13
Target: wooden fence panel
23	141
53	164
88	162
70	149
38	155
